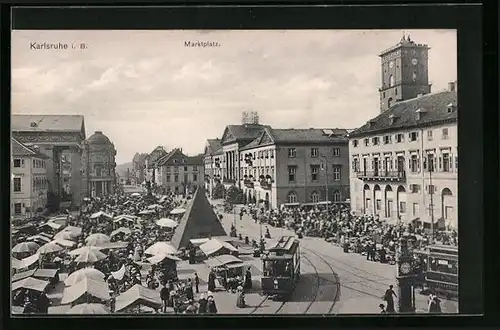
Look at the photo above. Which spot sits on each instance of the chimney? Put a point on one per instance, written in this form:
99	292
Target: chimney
452	86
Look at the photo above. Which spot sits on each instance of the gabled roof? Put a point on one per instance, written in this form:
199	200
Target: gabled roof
199	221
241	133
403	115
195	160
48	123
20	150
272	136
176	157
155	155
214	145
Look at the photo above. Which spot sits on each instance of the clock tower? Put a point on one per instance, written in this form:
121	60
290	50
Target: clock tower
404	72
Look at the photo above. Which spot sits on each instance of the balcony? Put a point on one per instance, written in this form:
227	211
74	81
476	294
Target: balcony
248	183
397	176
228	181
266	182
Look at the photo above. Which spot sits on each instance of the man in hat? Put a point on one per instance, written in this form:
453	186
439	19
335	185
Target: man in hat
248	279
196	282
165	295
202	304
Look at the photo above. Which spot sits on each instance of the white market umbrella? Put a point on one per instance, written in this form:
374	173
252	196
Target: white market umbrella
90	256
65	235
97	239
49	248
89	309
169	223
82	274
135	194
160	248
25	247
177	211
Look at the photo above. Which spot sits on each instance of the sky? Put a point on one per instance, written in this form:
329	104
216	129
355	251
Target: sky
145	88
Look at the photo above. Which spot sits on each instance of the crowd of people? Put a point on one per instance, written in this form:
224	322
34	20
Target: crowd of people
112	233
364	234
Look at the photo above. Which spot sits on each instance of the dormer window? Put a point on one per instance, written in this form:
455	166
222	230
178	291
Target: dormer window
420	113
451	107
392	119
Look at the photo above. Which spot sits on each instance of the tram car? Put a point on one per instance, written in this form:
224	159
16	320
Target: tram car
440	269
281	267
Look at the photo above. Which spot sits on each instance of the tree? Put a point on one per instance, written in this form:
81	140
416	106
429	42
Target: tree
235	195
219	191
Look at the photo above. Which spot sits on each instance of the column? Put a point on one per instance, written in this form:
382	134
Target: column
227	165
76	176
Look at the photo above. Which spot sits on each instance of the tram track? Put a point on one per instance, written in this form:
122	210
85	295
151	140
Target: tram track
369	280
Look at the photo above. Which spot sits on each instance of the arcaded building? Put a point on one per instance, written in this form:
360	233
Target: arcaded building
98	166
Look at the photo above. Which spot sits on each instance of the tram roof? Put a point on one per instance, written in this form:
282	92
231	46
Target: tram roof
285	243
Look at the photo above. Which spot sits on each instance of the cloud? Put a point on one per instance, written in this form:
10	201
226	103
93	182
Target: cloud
145	88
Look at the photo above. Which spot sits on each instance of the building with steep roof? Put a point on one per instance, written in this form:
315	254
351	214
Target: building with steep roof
150	163
284	166
179	173
213	158
404	162
98	166
199	221
138	167
30	183
53	135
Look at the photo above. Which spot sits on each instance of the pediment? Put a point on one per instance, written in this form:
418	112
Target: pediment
266	138
227	136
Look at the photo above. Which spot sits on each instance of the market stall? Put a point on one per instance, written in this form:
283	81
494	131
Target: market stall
214	247
229	270
136	297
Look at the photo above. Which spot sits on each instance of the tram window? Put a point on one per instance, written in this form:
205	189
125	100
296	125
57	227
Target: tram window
443	266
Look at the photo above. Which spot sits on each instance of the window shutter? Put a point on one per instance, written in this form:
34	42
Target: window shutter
373	164
440	163
418	163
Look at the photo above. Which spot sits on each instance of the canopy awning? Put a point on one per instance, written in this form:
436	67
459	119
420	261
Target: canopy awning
223	261
119	274
26	262
161	257
214	245
89	286
138	295
30	283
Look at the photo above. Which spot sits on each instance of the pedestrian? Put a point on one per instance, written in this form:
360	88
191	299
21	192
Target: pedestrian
211	281
211	306
197	282
382	309
165	295
202	304
248	280
189	290
388	297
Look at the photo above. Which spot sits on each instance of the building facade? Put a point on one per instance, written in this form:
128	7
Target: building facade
212	160
55	135
179	173
30	180
138	166
404	163
150	163
404	72
295	166
98	166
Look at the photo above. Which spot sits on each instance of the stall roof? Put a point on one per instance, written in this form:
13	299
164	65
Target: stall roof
26	262
31	284
161	257
138	295
92	287
214	245
46	273
223	260
22	275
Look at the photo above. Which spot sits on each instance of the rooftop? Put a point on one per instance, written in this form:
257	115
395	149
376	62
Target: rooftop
20	150
435	108
98	138
48	123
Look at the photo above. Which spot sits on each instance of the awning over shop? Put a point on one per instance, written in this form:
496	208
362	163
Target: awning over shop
30	283
224	261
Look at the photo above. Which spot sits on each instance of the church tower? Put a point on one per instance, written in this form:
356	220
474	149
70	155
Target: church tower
404	72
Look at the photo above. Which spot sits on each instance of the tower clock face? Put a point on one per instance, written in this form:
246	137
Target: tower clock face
405	268
391	64
414	61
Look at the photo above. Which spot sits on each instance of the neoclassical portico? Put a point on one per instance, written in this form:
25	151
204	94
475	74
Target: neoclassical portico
53	135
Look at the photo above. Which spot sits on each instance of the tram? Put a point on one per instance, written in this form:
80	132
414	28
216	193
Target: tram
281	265
440	269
